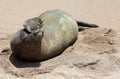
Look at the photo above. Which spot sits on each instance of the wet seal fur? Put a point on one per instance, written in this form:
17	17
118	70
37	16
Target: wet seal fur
46	36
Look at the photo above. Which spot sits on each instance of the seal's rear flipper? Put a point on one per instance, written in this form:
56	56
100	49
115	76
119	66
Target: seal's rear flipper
84	25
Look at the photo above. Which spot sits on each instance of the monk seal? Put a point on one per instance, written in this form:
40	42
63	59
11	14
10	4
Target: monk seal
46	36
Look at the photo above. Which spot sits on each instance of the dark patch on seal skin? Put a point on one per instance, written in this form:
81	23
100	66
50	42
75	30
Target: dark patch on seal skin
23	41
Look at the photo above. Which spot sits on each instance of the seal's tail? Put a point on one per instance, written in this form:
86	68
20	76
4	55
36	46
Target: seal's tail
84	25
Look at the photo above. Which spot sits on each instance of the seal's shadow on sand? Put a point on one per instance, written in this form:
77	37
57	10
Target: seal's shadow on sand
22	64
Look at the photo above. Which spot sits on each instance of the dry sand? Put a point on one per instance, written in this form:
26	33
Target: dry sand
95	54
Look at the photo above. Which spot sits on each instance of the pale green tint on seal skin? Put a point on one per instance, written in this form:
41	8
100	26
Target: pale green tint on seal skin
60	29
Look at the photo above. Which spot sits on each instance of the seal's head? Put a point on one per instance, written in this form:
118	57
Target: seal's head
33	24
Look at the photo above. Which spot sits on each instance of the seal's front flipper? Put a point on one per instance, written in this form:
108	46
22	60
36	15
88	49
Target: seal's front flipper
84	25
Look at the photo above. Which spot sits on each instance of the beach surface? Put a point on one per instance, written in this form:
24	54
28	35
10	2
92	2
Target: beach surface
95	54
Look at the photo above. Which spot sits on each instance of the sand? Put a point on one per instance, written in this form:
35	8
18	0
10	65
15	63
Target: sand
95	54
